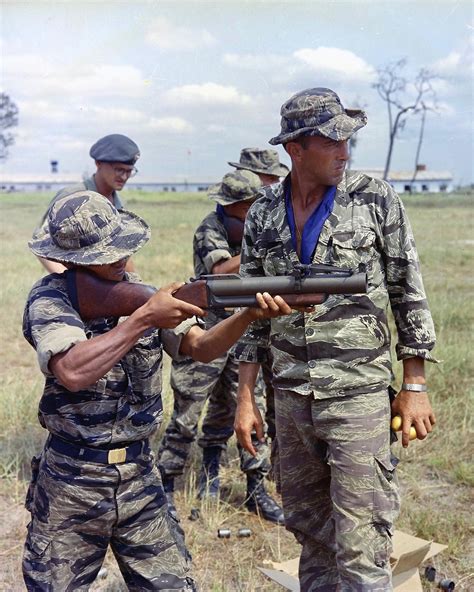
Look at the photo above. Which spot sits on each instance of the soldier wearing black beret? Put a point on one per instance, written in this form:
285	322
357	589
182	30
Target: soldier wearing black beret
115	156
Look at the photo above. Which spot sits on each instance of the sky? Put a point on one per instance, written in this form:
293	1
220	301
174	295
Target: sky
194	82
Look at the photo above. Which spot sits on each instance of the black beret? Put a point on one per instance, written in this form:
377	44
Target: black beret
115	148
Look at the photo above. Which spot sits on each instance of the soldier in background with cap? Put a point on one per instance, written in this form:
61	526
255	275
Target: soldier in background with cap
115	156
96	482
216	248
332	367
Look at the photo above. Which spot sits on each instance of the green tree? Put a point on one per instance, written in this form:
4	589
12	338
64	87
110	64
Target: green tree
8	119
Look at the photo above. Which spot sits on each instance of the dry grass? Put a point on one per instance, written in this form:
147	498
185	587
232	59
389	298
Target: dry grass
436	475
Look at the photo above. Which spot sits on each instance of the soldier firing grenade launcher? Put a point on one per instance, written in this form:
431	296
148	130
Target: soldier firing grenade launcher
225	533
441	583
93	297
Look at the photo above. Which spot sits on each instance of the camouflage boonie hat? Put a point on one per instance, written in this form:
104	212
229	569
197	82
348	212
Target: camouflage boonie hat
84	228
236	186
265	162
115	148
317	112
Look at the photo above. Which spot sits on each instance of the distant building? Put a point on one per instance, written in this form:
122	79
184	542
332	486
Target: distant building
53	182
425	181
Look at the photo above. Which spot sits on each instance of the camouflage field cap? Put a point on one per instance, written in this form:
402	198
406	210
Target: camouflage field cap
265	162
317	112
234	187
115	148
84	228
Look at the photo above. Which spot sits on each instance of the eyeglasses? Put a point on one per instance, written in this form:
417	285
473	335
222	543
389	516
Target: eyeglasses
121	172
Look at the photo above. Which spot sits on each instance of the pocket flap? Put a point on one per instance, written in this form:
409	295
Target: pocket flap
362	238
39	542
385	463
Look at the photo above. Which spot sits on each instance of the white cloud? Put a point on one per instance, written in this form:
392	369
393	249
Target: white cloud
170	124
164	34
458	64
208	93
256	62
339	62
31	75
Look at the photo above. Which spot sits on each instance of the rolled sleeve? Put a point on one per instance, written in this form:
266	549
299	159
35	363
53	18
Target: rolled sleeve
172	338
214	257
57	341
50	323
408	352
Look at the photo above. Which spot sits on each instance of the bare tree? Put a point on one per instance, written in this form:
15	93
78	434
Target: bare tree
354	139
8	119
392	86
424	109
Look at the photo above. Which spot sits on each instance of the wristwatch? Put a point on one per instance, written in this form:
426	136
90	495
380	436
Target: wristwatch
416	388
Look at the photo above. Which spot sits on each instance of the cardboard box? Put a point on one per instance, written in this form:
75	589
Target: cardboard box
409	552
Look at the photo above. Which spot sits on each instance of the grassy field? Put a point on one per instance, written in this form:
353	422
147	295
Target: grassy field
436	475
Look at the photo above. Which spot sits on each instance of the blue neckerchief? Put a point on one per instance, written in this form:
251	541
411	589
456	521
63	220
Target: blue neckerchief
220	212
314	224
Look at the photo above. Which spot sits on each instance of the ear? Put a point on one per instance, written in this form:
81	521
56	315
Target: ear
294	150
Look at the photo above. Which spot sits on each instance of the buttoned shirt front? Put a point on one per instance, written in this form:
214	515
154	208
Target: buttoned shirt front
343	347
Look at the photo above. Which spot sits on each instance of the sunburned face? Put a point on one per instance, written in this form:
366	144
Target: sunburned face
112	271
322	161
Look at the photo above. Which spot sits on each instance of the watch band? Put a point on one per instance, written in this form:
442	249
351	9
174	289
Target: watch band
416	388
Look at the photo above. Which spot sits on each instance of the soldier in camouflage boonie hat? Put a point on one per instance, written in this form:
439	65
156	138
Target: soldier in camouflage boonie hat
317	112
85	229
264	162
234	187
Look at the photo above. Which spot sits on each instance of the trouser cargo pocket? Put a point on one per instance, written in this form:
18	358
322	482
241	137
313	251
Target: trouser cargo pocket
30	494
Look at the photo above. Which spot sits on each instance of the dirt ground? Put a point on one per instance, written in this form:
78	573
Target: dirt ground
208	551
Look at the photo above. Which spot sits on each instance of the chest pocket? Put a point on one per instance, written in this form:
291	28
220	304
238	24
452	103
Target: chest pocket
349	249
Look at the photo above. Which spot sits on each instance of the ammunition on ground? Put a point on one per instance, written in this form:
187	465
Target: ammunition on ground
244	532
442	583
194	515
224	533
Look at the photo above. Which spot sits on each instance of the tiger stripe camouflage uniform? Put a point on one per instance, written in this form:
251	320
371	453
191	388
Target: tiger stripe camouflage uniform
95	483
194	383
331	374
85	505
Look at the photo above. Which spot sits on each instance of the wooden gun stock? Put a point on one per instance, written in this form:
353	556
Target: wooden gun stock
94	297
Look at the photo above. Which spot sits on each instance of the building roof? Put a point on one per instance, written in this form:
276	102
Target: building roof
72	178
407	176
63	179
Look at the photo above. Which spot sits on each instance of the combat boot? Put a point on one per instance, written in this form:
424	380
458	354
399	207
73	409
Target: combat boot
208	482
260	501
168	486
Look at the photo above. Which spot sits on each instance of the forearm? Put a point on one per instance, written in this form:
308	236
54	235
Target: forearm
247	416
414	370
248	372
205	346
88	361
227	265
51	266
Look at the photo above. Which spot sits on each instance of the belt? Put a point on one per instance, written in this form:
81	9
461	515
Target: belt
112	457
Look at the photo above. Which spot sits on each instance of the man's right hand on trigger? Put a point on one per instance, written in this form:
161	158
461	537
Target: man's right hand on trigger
166	312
